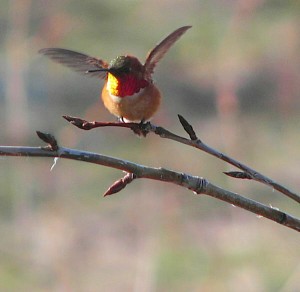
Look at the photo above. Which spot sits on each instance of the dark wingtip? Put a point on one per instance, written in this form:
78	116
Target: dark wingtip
50	51
44	51
185	28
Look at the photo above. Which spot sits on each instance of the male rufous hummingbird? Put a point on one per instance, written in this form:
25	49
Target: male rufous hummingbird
129	92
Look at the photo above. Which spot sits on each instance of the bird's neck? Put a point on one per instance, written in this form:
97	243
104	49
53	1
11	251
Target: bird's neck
125	85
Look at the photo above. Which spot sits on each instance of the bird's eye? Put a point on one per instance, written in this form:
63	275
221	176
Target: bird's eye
126	69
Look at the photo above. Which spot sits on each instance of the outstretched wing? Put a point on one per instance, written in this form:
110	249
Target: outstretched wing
160	49
77	61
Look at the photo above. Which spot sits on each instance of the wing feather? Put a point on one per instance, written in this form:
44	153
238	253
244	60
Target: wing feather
160	49
76	61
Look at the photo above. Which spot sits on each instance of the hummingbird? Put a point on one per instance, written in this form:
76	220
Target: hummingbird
129	91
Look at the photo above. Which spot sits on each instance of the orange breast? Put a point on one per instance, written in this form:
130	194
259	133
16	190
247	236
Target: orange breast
136	107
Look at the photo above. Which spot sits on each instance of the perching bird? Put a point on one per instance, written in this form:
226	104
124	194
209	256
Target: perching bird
129	92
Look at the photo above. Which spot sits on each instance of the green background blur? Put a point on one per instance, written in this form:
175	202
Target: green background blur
235	76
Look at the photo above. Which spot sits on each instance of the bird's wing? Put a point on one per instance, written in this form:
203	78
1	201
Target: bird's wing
77	61
160	49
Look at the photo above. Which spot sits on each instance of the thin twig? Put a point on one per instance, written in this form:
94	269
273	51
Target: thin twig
195	142
194	183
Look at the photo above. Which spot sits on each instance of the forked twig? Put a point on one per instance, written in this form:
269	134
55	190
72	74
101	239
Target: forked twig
194	141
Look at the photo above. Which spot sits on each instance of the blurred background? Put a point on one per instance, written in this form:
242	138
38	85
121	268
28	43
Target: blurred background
235	76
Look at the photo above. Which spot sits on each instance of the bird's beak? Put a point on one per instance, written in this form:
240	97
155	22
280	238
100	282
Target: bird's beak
98	70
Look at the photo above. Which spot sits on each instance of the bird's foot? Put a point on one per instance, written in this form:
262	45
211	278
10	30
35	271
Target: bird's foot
142	128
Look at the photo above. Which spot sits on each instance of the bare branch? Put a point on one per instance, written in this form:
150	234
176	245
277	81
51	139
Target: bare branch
137	128
196	184
194	141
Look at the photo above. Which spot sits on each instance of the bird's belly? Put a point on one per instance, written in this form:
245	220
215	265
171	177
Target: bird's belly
137	107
